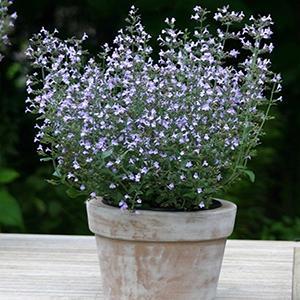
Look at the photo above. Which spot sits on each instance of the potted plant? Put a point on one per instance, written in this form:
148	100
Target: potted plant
154	141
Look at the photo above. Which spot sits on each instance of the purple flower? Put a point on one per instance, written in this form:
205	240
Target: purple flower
171	186
76	165
189	164
112	186
201	204
156	165
144	170
206	137
182	177
234	53
123	205
137	177
205	107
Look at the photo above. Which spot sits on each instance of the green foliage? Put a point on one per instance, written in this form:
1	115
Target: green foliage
286	228
8	175
10	210
262	204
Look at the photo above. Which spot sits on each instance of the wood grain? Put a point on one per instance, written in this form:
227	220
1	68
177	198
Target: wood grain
66	267
296	274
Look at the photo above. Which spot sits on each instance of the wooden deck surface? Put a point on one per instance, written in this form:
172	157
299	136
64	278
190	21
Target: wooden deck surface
39	267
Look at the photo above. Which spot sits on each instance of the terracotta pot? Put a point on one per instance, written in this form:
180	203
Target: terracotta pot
157	255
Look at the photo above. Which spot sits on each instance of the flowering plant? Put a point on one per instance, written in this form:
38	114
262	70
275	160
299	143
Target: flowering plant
151	134
6	23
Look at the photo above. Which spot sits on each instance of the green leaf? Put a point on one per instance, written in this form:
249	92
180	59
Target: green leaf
8	175
56	173
190	195
46	159
124	154
73	193
10	212
241	167
250	174
53	182
247	172
106	154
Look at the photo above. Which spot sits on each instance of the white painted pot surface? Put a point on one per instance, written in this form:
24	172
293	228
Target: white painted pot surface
157	255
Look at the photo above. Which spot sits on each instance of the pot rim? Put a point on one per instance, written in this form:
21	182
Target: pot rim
98	202
149	225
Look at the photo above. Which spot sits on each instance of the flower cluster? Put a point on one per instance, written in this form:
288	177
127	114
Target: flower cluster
6	23
152	134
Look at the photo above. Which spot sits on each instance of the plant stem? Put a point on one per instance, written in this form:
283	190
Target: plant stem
236	172
261	125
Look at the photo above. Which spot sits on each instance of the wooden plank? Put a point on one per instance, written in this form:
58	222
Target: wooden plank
65	267
256	270
296	274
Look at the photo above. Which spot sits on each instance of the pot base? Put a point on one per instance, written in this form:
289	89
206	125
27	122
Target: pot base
159	271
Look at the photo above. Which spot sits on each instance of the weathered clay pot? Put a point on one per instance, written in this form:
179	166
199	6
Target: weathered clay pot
157	255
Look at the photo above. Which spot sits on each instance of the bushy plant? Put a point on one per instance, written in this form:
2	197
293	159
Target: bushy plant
6	23
170	133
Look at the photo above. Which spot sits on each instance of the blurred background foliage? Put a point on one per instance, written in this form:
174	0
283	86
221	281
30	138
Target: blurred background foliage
268	208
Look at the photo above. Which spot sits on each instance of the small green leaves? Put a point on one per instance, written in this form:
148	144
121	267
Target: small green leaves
8	175
190	195
106	154
53	182
46	159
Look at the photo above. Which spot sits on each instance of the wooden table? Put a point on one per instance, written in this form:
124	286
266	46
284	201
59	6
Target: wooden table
65	267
